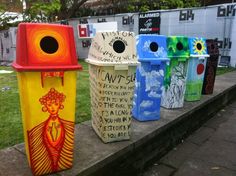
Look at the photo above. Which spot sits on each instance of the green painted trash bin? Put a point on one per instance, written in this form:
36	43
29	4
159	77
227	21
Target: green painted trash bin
196	68
175	75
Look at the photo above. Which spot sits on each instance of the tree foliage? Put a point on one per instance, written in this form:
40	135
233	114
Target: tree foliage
145	5
5	19
42	11
51	10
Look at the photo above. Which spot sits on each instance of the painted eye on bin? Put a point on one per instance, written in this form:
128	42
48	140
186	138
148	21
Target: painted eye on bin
199	46
153	46
49	44
119	46
179	46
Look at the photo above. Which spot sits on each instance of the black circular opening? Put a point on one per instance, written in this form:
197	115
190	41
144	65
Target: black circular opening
212	46
153	46
49	45
119	46
179	46
199	46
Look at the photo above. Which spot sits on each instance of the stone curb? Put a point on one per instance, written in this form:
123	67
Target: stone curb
149	140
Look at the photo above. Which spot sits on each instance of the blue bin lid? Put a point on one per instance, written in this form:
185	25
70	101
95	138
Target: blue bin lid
197	47
151	47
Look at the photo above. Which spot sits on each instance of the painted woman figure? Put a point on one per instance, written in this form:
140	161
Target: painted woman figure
51	142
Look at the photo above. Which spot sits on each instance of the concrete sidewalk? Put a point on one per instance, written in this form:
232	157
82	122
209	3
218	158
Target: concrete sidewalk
152	140
210	151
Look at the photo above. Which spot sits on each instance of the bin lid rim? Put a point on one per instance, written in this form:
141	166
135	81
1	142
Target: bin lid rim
154	58
199	55
99	63
20	68
186	56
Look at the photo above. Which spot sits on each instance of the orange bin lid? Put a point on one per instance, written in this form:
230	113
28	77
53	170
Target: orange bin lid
45	47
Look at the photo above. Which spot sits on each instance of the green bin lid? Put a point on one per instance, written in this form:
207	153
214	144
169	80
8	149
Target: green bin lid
177	47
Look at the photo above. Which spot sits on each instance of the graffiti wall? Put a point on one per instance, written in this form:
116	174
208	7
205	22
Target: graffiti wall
212	22
7	46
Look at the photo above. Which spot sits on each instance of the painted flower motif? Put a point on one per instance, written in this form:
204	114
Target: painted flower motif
198	46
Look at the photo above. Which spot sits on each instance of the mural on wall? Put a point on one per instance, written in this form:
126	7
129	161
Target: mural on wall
89	30
101	20
51	142
226	43
196	68
83	21
186	15
127	20
175	76
226	11
149	23
86	43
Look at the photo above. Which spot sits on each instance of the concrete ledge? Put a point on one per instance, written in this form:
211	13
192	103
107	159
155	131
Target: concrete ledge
149	140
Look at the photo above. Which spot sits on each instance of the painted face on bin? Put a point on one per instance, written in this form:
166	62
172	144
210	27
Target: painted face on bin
53	106
52	102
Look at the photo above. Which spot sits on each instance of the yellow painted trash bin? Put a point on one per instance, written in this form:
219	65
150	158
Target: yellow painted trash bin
46	67
112	67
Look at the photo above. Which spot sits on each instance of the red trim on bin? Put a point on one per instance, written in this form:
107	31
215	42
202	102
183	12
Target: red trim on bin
20	68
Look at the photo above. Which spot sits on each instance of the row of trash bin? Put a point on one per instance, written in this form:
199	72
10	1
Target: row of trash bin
169	70
128	78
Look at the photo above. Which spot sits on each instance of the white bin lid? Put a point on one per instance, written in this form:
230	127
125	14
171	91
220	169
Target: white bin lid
113	48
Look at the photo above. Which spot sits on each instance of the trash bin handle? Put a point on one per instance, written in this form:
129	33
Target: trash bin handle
45	75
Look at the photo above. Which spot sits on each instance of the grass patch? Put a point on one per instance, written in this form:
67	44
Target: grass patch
11	131
223	70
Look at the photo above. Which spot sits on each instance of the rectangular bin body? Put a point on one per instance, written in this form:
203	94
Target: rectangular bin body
152	55
47	86
111	93
112	67
211	67
45	134
175	75
196	68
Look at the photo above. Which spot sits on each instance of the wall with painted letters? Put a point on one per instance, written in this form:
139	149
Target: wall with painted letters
7	45
213	22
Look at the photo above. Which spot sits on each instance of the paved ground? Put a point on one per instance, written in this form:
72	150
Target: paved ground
210	151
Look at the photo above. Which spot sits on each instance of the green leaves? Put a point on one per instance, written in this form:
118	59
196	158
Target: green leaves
43	11
145	5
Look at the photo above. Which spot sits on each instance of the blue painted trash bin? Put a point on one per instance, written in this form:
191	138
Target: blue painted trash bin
196	68
152	54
